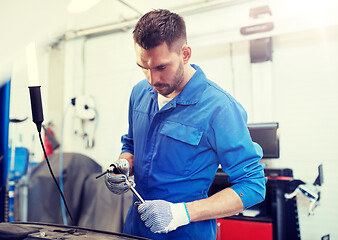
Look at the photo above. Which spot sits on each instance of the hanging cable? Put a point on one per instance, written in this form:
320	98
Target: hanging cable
63	211
37	114
51	172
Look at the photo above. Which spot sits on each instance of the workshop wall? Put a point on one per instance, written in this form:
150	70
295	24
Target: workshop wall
305	103
301	97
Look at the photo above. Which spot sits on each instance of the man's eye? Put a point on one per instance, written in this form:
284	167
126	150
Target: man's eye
161	68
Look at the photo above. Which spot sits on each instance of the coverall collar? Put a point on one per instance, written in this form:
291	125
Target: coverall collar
192	91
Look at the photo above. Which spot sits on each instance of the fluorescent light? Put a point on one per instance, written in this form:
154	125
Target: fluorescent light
32	65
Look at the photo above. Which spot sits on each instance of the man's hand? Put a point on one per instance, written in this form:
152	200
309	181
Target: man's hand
162	216
118	183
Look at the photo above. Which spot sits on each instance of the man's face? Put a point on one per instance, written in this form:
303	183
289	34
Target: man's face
164	69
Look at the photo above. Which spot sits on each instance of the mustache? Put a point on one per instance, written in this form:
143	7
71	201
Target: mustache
160	85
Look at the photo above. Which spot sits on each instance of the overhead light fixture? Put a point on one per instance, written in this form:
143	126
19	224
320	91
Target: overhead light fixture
78	6
258	13
257	28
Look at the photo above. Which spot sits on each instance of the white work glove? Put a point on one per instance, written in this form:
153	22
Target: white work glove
115	182
162	216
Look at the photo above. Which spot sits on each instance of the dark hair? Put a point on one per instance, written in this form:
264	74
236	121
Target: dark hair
158	26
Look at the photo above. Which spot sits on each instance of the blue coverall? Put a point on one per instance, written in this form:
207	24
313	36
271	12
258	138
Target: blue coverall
178	149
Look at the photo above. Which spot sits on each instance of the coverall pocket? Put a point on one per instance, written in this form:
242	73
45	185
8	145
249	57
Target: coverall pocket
181	132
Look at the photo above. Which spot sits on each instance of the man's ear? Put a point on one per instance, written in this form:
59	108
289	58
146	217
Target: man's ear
186	51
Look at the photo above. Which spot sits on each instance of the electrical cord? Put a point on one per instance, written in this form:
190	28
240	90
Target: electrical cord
37	114
51	172
64	217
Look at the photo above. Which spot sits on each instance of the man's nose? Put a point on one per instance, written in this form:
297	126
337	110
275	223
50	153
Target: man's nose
152	77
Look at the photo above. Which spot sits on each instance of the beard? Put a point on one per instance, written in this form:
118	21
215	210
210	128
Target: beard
165	89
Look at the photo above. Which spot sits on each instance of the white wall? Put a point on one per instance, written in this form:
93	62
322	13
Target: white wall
109	75
302	97
304	102
306	106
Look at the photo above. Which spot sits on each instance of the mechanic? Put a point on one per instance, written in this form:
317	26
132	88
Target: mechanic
182	128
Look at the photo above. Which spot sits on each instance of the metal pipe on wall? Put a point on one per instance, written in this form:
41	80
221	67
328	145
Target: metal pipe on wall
125	25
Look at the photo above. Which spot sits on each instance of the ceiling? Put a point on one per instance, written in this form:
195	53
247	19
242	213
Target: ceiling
43	20
116	15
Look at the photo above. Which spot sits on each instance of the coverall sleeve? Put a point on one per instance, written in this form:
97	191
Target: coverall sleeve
238	155
127	139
